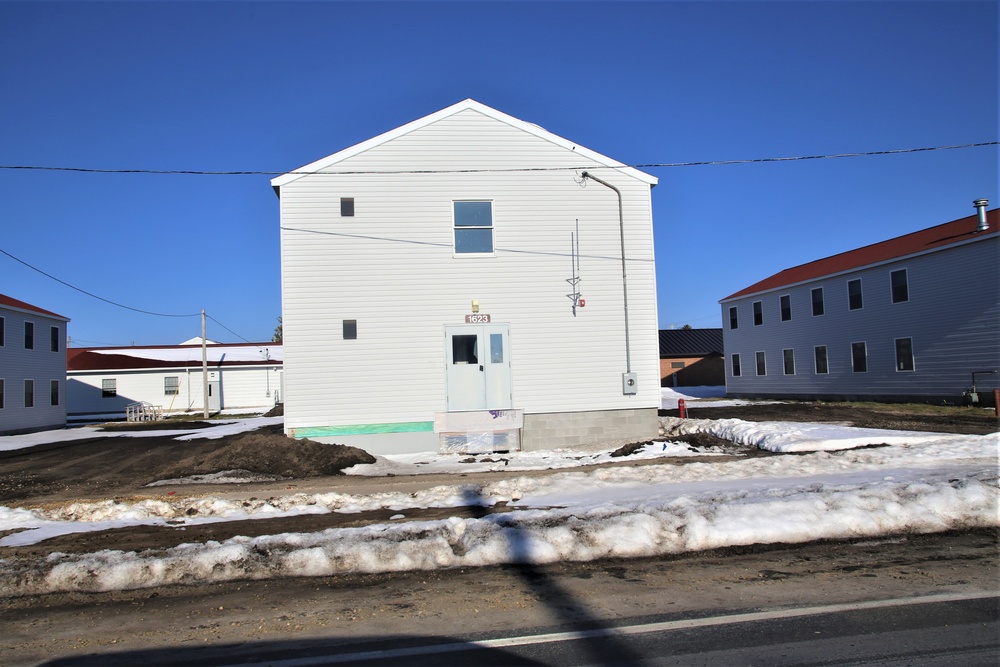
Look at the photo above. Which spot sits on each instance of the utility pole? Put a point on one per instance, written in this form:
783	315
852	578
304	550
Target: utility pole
204	364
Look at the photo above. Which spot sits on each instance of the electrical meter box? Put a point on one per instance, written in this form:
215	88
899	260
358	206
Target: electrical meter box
630	383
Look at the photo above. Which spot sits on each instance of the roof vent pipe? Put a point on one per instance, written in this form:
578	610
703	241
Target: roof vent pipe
980	205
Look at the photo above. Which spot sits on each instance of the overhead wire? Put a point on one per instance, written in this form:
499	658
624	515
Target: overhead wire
650	165
115	303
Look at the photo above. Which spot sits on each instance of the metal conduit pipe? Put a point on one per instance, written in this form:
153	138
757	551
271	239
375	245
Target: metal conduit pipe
621	229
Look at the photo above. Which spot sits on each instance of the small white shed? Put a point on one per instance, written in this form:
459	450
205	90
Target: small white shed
468	281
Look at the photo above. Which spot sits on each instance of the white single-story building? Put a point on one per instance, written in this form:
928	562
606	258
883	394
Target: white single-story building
103	381
32	368
468	281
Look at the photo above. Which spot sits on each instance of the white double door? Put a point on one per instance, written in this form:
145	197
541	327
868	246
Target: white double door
478	366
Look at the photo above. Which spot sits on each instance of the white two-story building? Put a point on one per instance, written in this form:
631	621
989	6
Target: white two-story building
468	281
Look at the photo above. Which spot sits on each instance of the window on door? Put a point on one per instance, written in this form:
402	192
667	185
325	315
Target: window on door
465	349
496	348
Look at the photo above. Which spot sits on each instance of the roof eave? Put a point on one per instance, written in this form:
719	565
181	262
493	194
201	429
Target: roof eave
331	160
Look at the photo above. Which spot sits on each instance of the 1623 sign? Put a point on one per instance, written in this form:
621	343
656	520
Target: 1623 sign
477	319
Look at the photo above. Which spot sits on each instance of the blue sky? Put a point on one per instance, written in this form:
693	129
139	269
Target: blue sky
268	86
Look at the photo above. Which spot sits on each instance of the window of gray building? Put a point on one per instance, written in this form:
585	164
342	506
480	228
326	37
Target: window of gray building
822	365
54	339
854	300
29	335
904	354
788	359
54	392
761	364
786	308
736	365
859	357
758	313
900	286
29	393
817	301
734	320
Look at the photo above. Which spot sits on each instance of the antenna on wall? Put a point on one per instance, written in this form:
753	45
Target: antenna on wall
574	253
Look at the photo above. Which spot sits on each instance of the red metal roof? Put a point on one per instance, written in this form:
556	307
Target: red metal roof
950	233
125	358
14	303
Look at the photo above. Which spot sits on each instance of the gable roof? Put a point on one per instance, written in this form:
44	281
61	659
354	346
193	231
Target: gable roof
11	302
530	128
690	342
172	356
951	233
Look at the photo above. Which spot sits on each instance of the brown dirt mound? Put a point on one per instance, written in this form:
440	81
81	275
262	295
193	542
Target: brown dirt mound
268	451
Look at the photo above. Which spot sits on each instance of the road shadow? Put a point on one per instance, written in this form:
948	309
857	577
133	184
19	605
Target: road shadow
597	637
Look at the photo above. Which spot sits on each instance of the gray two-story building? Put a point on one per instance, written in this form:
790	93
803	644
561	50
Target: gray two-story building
32	368
908	319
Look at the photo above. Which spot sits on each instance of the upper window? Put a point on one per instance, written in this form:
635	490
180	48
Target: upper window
734	319
54	338
1	332
109	388
817	297
900	288
786	308
854	299
736	365
473	227
859	357
347	207
29	335
758	313
904	354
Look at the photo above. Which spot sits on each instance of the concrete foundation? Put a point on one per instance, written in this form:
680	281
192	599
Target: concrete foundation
569	429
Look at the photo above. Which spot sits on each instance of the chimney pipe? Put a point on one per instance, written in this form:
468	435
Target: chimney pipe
980	205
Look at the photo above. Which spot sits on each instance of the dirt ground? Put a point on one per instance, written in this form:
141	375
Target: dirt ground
121	467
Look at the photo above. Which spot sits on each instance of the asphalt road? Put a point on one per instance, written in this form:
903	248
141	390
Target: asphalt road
920	600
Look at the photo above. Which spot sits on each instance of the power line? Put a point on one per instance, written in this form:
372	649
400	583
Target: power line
119	305
83	291
652	165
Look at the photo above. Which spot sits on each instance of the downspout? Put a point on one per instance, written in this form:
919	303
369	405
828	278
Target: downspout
628	382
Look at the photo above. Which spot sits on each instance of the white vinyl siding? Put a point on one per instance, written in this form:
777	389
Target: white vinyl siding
404	283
